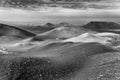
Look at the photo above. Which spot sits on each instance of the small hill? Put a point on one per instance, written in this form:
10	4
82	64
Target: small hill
87	38
9	33
64	24
38	29
102	26
49	25
53	48
62	32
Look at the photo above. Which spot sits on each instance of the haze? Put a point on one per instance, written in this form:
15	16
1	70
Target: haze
57	15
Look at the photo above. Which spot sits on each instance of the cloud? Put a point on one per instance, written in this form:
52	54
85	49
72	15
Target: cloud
56	15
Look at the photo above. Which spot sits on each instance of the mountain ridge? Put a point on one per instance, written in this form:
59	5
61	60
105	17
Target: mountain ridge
102	26
7	31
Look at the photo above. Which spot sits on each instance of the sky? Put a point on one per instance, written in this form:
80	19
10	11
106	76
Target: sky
56	15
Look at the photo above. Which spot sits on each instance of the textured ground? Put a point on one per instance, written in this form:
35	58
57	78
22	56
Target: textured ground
90	63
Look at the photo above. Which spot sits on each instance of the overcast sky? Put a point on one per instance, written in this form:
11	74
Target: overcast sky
96	11
58	15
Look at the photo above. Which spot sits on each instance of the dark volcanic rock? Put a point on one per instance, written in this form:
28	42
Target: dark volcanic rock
31	68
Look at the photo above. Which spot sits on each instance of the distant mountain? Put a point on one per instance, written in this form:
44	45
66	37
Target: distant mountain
102	26
62	31
49	25
56	48
6	30
64	24
38	29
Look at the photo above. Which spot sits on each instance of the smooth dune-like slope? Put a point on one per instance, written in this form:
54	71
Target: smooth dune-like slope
61	33
14	31
48	49
11	33
89	37
108	34
64	67
38	29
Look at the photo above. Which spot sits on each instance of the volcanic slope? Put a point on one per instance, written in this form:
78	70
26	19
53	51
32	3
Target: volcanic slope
104	66
11	33
100	26
46	48
89	37
108	34
62	32
64	67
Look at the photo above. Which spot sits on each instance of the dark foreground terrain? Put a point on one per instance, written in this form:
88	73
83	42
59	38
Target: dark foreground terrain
93	62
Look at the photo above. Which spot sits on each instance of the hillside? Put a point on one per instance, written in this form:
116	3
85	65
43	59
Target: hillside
10	34
89	37
55	59
103	26
38	29
72	64
61	32
6	30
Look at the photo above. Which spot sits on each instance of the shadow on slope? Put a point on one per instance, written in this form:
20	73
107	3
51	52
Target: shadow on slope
101	26
38	29
62	32
11	33
66	66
